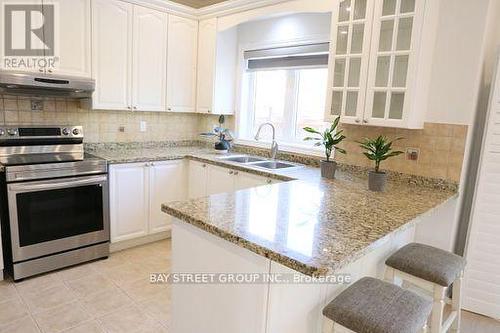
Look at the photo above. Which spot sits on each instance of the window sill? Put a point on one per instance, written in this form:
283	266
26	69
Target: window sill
284	147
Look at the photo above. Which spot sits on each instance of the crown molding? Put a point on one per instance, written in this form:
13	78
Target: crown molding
220	9
234	6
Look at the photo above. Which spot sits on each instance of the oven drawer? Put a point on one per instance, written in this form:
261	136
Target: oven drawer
57	215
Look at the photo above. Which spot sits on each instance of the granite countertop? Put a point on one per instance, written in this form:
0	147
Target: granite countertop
310	224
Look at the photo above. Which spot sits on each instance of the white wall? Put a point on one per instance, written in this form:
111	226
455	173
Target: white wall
457	61
284	29
290	7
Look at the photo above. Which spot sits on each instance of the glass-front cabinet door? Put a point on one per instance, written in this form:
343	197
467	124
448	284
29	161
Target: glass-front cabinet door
381	61
349	59
392	62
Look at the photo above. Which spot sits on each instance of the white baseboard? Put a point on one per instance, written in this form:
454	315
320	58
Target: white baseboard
119	246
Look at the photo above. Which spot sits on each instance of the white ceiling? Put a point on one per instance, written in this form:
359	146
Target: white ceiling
198	3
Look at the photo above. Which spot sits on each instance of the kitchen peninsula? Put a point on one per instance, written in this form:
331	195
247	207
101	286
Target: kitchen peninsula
306	226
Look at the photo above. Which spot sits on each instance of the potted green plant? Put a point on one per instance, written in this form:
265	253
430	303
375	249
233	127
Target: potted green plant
330	138
378	150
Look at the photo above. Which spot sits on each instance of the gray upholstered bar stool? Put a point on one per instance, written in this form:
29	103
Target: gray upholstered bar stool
433	270
374	306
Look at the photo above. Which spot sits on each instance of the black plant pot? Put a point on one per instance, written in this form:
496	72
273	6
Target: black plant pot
222	146
377	181
328	169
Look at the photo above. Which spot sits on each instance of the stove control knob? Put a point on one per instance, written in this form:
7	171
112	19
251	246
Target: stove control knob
12	131
76	131
66	131
2	132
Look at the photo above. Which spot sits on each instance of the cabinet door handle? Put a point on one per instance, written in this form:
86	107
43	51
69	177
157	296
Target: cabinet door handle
357	121
146	164
204	165
269	181
129	107
50	70
231	172
236	173
152	164
365	121
135	107
40	70
169	109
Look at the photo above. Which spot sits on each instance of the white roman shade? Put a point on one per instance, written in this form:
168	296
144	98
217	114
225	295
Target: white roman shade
297	56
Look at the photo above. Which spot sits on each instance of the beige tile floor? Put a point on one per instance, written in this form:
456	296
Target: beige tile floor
113	295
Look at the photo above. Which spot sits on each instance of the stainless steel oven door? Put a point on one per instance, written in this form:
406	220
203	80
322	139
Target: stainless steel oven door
51	216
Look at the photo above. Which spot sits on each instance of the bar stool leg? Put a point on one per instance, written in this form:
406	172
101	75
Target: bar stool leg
389	274
456	304
438	309
327	325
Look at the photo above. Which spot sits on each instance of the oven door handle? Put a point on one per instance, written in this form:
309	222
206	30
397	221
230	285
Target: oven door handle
56	184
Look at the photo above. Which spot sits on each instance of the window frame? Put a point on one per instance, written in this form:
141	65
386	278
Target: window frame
242	98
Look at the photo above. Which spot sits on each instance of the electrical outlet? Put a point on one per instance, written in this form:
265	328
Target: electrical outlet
143	126
412	154
36	105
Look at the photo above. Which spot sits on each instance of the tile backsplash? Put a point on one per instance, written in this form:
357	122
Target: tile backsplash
441	147
102	126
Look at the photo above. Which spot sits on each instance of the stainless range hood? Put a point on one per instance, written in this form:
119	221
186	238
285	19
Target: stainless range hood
43	85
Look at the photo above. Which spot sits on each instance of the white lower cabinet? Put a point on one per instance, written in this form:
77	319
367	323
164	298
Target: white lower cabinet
205	179
136	193
220	180
167	182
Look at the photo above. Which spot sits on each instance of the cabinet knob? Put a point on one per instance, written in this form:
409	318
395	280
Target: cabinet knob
169	109
146	164
40	70
365	121
209	111
152	164
231	172
50	70
204	165
129	107
236	173
357	121
135	107
269	181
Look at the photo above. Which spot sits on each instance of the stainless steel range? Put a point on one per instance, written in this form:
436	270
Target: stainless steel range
55	209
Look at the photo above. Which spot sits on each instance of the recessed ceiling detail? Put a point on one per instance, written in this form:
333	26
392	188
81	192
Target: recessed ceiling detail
198	3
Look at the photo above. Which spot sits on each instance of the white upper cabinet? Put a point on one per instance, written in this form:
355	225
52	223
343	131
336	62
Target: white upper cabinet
349	59
207	47
217	69
112	54
73	43
383	80
181	64
129	57
149	60
72	37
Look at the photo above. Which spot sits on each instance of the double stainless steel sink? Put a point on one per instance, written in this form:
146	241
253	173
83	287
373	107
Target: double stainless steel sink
259	162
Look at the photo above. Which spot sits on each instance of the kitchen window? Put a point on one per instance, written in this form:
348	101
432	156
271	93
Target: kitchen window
286	87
